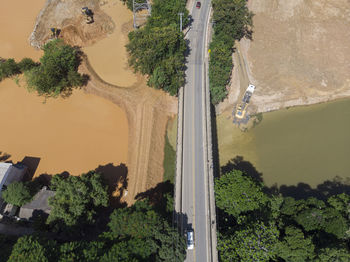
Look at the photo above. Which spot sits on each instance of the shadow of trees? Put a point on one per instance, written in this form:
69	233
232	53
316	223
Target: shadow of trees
160	197
116	179
238	163
328	188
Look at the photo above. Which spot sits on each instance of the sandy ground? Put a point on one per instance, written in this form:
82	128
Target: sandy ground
147	110
300	54
76	134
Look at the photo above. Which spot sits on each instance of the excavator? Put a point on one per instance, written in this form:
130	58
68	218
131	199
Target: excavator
55	32
89	15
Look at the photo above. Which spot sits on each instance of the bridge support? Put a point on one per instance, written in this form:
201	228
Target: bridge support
137	7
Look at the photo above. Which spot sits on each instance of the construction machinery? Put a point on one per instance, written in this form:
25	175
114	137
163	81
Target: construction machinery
89	15
242	108
55	32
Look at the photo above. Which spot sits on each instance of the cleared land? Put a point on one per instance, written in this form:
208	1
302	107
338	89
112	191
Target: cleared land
147	110
299	54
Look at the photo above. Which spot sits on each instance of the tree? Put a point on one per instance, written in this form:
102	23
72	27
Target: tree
58	70
148	235
17	193
81	251
236	193
338	253
252	243
341	203
295	247
29	249
159	53
77	198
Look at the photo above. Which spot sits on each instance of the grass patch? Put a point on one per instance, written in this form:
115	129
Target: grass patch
169	161
172	132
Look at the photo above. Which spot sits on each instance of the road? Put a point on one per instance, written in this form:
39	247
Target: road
195	204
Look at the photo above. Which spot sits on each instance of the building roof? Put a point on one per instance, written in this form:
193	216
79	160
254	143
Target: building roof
40	203
10	173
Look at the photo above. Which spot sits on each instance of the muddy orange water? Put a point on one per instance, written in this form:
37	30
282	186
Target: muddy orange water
76	134
109	57
17	19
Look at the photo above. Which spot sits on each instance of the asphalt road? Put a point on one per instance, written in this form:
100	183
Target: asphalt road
194	188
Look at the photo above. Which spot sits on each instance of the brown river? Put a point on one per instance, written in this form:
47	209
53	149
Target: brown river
75	134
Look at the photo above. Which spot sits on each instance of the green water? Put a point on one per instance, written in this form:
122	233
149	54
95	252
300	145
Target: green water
305	144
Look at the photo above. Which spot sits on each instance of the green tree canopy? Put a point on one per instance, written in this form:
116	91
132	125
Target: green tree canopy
159	53
149	236
77	198
232	21
236	193
252	243
29	249
17	193
8	68
58	70
295	247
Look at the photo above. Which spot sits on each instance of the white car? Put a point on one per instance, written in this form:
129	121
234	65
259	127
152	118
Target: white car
190	239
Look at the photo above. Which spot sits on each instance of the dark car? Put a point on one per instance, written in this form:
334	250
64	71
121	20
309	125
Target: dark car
198	4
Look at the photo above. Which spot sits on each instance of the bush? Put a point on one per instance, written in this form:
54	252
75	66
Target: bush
27	64
58	70
8	68
17	194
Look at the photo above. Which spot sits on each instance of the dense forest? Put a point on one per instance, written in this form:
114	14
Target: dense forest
257	224
82	226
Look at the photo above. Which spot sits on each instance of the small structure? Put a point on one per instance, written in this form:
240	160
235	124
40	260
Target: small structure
10	173
38	206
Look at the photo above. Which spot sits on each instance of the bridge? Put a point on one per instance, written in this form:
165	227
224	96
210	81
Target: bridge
194	192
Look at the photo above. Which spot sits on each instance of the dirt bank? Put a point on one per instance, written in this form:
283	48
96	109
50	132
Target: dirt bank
66	15
147	110
299	54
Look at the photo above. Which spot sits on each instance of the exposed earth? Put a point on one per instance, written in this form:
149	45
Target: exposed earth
147	110
300	54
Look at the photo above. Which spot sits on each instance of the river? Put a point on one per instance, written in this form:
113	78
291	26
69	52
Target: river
304	144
